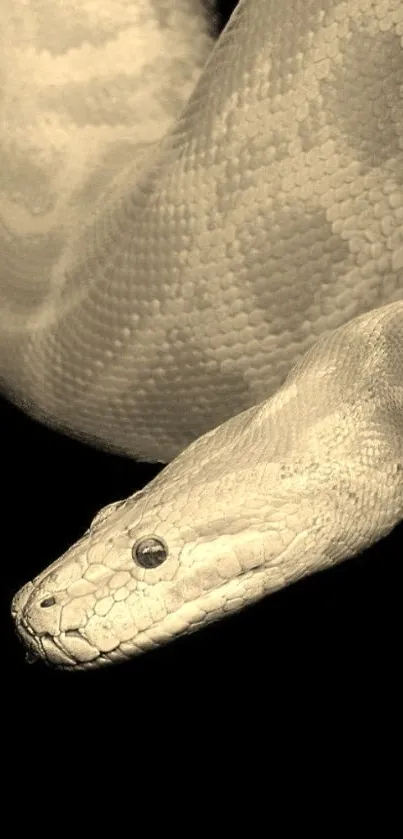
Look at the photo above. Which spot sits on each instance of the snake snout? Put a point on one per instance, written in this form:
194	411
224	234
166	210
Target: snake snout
38	620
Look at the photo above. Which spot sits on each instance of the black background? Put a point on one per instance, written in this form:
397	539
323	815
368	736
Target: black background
326	646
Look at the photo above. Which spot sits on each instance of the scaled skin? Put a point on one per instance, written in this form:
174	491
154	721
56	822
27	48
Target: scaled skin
294	485
152	289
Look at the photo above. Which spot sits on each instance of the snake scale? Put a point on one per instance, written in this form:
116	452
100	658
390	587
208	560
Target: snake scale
202	262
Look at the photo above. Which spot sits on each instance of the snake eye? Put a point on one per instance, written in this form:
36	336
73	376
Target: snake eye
150	552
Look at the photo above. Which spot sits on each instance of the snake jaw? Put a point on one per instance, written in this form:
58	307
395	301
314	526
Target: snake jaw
54	650
66	650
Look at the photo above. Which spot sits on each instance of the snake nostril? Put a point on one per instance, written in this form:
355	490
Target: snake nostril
49	601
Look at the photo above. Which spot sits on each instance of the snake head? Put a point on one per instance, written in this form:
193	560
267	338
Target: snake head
162	563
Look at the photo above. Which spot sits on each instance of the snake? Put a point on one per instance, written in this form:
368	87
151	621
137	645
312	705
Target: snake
202	265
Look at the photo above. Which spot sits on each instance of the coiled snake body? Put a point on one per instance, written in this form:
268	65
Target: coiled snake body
229	296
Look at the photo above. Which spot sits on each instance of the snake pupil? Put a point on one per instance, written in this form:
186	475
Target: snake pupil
150	552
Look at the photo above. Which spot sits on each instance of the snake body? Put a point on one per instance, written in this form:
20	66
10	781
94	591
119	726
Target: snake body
220	285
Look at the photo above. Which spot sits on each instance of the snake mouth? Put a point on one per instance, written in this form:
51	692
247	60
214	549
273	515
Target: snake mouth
56	650
45	647
69	650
